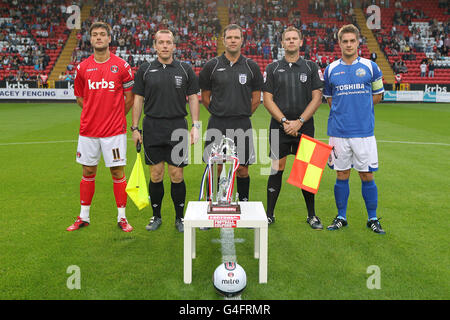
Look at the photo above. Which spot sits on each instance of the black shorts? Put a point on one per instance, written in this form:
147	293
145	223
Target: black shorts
237	128
165	140
286	144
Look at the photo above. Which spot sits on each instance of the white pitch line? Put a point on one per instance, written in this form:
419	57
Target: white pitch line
43	142
321	139
407	142
37	142
227	245
412	142
228	250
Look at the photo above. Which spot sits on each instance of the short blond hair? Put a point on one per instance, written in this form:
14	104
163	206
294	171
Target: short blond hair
348	28
165	31
289	29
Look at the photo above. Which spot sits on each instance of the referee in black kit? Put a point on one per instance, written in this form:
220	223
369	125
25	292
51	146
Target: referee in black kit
164	84
292	94
231	91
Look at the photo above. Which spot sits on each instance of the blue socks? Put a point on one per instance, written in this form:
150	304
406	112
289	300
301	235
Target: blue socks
370	194
341	193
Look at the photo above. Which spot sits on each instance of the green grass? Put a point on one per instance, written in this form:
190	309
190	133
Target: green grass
39	196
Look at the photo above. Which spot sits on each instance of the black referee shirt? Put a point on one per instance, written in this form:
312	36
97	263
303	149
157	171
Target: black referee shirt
231	85
291	85
165	87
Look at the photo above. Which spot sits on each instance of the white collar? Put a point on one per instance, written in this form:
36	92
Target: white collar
354	61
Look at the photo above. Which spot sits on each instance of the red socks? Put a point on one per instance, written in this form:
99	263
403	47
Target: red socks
119	192
87	188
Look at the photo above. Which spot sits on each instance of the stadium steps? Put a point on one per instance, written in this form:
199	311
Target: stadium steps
372	45
71	43
224	18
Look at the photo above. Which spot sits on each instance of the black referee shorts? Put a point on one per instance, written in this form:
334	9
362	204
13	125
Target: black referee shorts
286	144
165	140
239	129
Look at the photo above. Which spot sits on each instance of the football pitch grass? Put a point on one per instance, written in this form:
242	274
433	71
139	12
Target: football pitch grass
40	199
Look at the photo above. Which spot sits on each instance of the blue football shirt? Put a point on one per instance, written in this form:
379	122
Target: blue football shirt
351	88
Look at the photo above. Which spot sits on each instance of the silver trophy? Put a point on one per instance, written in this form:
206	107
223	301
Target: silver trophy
221	188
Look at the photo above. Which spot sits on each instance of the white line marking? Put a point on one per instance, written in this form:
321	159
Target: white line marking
321	139
227	245
407	142
228	249
413	142
37	142
237	240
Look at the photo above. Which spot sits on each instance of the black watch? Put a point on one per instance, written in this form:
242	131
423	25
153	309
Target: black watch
283	120
134	128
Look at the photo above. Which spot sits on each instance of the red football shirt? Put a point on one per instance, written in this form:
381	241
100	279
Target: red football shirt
102	87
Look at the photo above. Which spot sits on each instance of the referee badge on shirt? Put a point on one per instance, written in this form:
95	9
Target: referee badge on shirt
178	82
242	78
303	77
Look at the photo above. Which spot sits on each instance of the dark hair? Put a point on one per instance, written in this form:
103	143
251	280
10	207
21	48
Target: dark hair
232	27
100	24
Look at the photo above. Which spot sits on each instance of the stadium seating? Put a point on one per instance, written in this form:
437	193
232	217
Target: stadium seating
196	35
33	35
319	27
423	20
32	38
272	17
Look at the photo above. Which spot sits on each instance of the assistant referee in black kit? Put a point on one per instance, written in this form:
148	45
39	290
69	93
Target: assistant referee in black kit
292	94
231	91
164	84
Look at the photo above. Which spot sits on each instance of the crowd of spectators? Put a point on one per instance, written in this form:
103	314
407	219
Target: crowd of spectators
29	31
263	23
196	28
194	23
341	10
408	40
256	19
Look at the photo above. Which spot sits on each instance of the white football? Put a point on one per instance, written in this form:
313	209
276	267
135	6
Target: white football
229	279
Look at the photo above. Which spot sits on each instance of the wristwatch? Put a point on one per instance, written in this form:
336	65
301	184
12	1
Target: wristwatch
197	125
301	119
134	128
283	120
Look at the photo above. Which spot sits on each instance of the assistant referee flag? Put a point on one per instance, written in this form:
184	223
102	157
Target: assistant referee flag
309	163
137	185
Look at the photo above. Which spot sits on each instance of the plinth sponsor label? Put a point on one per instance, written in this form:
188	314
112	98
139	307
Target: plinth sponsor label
224	221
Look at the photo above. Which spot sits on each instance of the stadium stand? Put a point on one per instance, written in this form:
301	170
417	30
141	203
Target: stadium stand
194	23
32	37
264	21
413	32
35	39
197	25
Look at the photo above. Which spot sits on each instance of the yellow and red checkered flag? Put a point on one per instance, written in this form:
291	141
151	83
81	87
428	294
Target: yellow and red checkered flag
309	163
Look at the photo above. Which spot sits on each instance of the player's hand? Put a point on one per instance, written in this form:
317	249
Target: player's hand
194	135
137	137
291	127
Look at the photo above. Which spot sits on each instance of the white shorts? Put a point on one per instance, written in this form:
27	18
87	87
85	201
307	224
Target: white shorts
358	153
114	150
